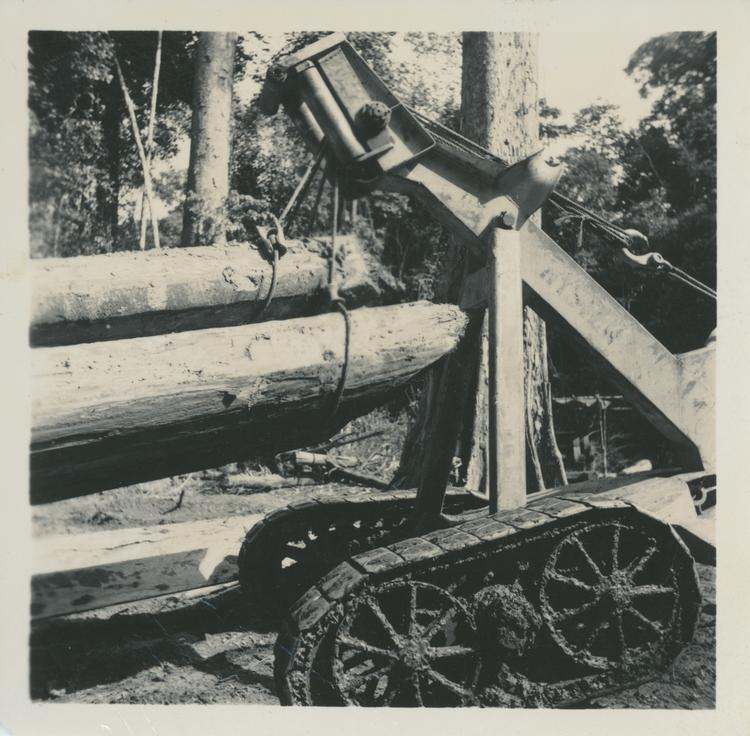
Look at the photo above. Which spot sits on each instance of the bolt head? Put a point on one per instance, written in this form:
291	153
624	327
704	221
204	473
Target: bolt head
276	74
373	117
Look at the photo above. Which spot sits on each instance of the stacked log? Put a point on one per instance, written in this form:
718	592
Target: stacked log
135	294
111	413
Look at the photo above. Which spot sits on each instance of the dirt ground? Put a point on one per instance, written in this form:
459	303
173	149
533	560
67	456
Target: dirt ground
215	648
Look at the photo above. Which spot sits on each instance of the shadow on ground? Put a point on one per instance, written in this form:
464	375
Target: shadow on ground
199	645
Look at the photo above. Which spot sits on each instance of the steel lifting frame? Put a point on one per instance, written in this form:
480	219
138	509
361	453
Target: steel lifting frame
344	108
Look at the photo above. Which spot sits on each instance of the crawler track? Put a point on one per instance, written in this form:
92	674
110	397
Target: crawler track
545	606
291	548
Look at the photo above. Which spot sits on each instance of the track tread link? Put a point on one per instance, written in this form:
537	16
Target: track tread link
311	511
440	546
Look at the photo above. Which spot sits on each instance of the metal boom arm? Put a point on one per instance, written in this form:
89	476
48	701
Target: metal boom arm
378	143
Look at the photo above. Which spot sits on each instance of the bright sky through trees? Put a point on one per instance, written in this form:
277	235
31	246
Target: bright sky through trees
574	70
577	68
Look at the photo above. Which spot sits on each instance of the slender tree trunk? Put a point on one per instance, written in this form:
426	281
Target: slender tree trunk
141	151
111	135
204	220
498	111
150	139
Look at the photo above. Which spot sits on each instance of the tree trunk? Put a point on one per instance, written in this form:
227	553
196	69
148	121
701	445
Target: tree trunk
141	151
498	111
137	294
499	98
109	414
204	219
150	140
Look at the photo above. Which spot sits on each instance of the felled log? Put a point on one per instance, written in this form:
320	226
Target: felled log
135	294
259	484
109	414
78	572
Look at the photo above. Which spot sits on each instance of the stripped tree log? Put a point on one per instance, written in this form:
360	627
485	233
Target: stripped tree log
109	414
134	294
77	572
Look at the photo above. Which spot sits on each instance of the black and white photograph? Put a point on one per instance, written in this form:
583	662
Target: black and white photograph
371	368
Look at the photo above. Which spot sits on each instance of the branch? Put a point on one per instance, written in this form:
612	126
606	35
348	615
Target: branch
651	164
150	139
139	145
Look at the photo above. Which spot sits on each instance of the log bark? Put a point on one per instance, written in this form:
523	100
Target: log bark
135	294
498	111
109	414
204	220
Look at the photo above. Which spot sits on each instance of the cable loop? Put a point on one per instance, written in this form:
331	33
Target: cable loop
335	301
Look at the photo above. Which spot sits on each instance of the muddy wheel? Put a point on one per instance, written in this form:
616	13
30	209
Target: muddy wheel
616	594
405	643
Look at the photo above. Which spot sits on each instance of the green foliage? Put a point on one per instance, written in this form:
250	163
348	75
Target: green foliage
269	156
81	151
601	126
242	210
669	179
660	179
66	89
549	126
681	69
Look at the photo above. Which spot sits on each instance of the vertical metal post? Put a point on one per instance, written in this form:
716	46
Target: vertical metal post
507	438
602	405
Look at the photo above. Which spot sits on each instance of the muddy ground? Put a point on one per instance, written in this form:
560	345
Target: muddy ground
216	648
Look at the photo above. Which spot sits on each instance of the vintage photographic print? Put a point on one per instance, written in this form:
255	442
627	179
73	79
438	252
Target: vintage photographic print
373	368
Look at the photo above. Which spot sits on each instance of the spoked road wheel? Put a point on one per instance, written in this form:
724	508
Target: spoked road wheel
611	595
615	589
405	643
